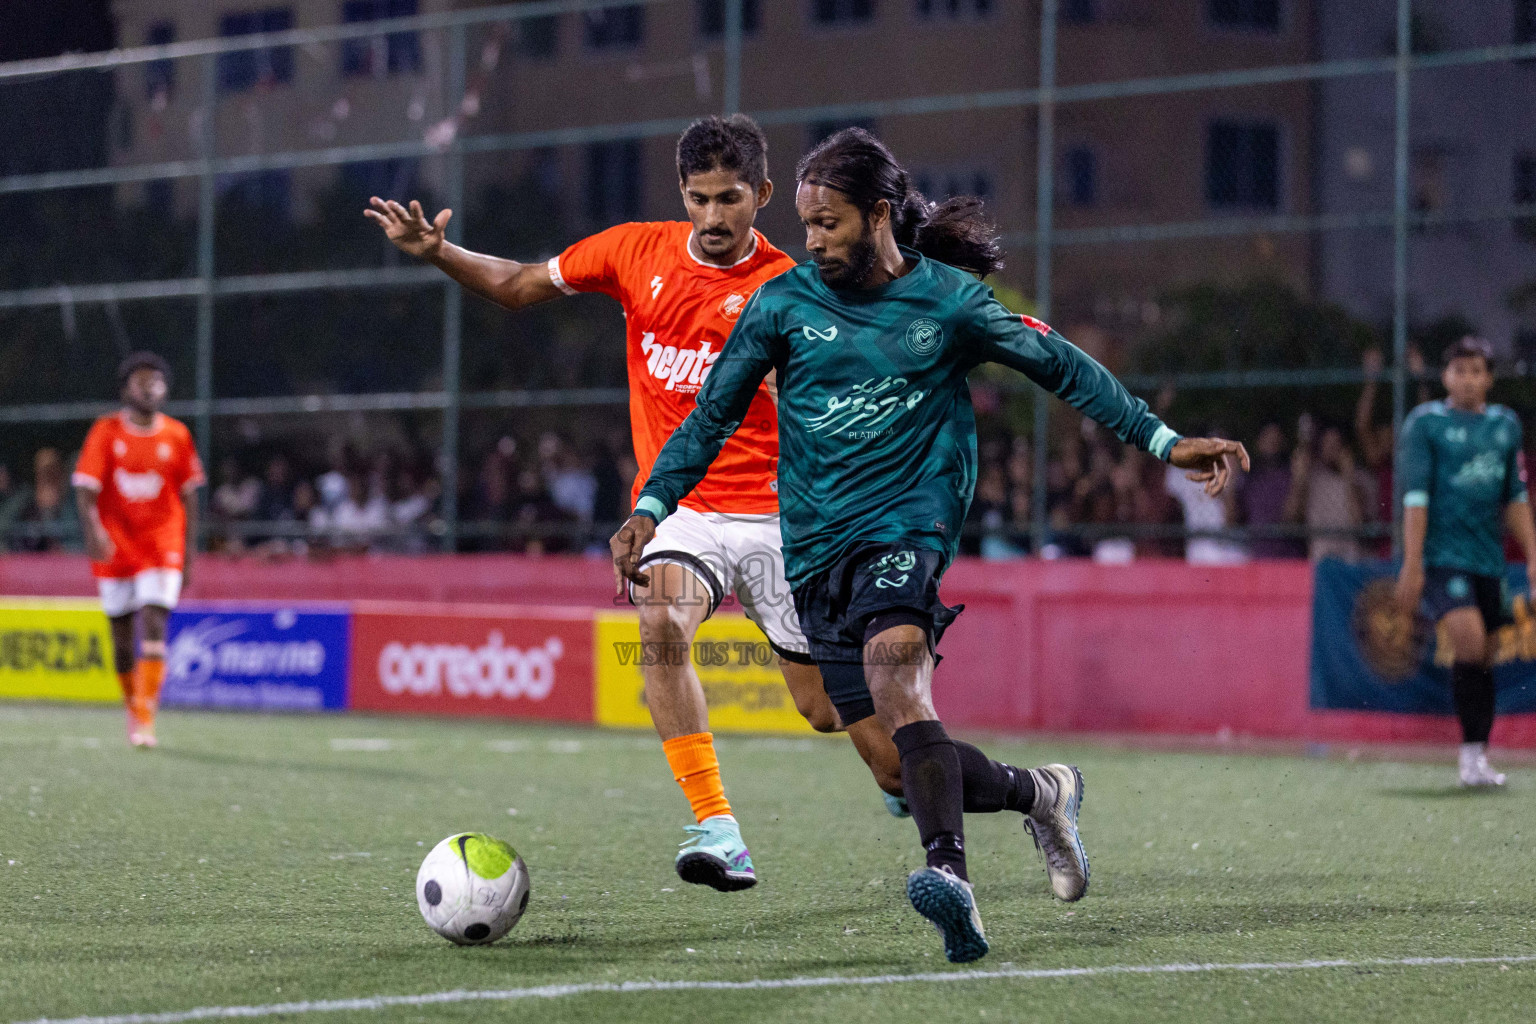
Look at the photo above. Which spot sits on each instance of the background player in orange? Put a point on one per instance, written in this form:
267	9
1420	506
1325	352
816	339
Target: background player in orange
683	284
137	467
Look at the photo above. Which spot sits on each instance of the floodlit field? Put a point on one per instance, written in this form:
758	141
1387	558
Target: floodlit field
261	861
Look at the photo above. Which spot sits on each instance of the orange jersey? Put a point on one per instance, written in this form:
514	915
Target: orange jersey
678	312
139	475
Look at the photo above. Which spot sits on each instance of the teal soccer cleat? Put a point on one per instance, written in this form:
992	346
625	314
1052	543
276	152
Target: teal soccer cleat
714	855
897	805
1052	823
951	905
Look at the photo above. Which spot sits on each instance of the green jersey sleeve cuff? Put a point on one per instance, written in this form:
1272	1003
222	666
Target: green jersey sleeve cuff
1163	441
1522	496
648	505
1416	499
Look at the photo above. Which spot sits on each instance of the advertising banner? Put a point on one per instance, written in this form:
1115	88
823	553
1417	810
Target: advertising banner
508	661
56	649
1368	656
263	657
742	683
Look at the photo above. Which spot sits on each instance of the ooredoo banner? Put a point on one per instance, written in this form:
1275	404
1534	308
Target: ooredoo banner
265	657
503	661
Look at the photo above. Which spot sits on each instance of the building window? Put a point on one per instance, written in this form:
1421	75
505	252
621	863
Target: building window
817	131
1077	12
160	196
712	17
396	53
953	10
1525	21
160	75
1524	193
613	181
1080	174
938	185
1242	166
841	12
615	28
539	37
1254	15
269	192
271	65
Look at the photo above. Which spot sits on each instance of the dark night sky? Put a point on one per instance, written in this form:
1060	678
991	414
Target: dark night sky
42	28
60	121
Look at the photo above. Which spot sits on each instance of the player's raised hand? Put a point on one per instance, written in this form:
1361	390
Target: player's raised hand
409	229
1208	460
626	546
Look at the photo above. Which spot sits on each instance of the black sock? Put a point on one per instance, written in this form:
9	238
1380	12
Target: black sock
931	779
991	786
1472	690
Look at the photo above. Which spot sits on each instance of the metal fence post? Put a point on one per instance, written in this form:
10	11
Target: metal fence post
206	194
1400	254
1045	188
453	300
731	101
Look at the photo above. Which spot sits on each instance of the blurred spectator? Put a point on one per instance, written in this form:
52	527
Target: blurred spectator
276	502
13	499
410	504
1265	491
610	495
1205	513
49	510
1328	493
1375	441
572	487
358	520
331	487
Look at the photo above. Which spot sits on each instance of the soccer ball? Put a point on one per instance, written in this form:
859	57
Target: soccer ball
472	888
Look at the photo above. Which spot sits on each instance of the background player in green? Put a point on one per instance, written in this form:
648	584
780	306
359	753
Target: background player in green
1463	482
872	342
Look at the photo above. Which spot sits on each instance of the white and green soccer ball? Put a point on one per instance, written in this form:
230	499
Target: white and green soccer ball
472	888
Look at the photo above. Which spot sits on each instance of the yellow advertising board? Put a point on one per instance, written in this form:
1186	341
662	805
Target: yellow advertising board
55	650
742	684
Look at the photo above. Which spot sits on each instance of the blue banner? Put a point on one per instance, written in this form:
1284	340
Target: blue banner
1369	656
258	657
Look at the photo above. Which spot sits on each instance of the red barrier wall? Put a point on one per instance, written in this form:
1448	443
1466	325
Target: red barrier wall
1159	646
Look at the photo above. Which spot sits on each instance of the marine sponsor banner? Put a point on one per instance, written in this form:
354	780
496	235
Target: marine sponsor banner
264	657
742	683
56	650
508	661
1369	656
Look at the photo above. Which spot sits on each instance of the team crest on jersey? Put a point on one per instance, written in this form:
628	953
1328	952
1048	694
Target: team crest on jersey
924	336
733	305
163	452
119	447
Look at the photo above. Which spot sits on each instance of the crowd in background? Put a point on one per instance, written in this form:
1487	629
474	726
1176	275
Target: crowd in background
1316	489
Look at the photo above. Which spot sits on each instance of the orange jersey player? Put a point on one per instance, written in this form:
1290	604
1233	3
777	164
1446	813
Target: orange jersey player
136	470
683	285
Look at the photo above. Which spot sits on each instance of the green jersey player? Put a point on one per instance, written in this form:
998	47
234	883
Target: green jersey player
1463	482
872	342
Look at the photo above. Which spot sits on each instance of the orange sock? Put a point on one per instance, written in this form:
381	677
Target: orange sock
697	770
126	681
151	675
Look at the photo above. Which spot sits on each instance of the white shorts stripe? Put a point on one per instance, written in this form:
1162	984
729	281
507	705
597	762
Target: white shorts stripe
758	984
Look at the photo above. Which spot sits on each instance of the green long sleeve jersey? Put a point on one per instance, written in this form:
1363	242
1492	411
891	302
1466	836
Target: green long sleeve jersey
1464	467
877	437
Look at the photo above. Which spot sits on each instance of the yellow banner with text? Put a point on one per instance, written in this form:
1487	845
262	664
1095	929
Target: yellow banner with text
55	650
742	684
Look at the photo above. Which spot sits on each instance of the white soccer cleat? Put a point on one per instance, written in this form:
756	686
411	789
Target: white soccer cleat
1053	824
1474	767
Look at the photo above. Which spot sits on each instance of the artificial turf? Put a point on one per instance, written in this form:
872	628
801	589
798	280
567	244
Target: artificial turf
258	860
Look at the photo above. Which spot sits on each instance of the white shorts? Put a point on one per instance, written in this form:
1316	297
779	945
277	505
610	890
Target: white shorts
158	587
734	554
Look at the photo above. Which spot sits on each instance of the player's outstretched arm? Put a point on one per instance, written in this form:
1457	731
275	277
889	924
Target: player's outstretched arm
1209	460
504	282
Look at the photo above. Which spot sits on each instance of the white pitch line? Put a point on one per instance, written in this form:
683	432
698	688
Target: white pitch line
826	981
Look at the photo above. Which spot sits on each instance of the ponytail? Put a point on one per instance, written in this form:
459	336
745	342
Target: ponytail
860	166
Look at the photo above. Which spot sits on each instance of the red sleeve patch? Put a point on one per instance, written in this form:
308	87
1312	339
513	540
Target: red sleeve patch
1039	325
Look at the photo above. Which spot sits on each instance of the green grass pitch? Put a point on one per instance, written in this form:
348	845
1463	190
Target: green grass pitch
261	860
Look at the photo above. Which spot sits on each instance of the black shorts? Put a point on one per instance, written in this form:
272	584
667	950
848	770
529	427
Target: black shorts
1446	590
893	582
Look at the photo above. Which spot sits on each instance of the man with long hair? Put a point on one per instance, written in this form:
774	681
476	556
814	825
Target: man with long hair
871	343
682	285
